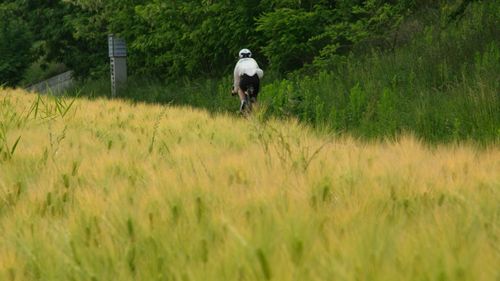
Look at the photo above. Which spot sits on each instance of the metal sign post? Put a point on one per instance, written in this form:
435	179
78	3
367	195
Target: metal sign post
118	59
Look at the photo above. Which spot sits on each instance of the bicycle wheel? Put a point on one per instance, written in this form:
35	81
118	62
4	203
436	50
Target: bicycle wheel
249	98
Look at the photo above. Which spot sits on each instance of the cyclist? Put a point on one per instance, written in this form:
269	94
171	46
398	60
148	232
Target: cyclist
246	73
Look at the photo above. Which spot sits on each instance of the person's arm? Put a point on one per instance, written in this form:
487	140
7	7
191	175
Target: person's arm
259	71
236	84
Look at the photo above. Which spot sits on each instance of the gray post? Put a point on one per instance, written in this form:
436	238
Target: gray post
118	58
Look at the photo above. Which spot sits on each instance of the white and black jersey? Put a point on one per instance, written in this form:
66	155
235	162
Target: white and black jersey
247	67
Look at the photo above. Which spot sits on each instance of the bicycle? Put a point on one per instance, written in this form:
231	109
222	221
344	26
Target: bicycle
249	100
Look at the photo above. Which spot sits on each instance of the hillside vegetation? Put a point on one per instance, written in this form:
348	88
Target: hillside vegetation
114	190
430	75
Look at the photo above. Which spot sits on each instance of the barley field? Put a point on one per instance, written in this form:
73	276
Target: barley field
112	190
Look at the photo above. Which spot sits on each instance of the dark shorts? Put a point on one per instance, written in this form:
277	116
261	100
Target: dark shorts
247	81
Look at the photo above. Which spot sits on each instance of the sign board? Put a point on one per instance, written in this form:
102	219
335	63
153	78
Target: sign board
117	47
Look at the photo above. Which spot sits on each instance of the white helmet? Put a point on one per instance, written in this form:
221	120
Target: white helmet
245	53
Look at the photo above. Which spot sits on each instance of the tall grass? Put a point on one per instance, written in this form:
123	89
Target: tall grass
114	190
442	86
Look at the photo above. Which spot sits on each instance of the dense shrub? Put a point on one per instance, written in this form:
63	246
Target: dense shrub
15	46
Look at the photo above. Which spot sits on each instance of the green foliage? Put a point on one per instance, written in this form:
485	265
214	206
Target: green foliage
195	40
367	24
201	38
40	71
15	45
290	36
443	86
74	37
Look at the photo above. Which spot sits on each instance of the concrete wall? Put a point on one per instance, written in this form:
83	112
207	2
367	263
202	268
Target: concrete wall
54	85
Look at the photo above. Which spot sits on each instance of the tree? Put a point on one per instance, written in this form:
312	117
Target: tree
16	43
198	38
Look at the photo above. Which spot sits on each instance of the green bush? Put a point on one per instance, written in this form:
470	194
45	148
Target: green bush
442	86
15	46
